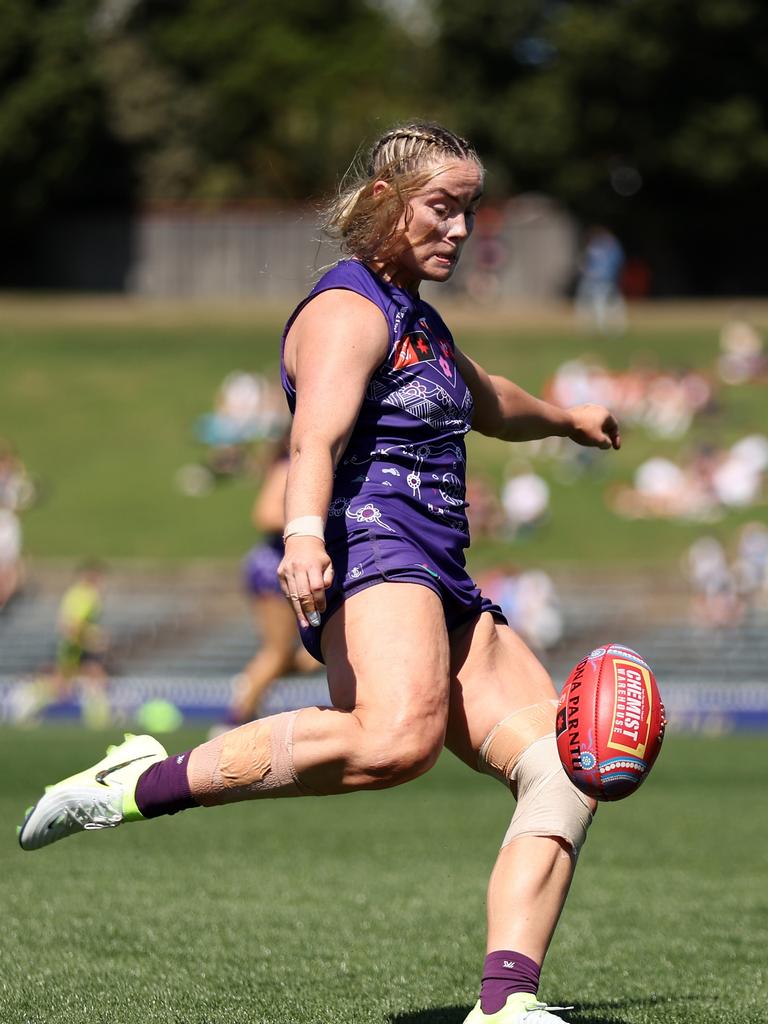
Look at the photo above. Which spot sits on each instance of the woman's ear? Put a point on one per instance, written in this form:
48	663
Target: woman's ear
380	187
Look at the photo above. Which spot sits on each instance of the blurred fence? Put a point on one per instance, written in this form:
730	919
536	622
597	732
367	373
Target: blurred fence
184	643
525	248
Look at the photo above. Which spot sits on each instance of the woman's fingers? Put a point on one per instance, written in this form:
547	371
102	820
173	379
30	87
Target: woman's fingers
594	425
303	573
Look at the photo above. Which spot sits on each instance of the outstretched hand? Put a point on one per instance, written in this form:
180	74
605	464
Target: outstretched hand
594	426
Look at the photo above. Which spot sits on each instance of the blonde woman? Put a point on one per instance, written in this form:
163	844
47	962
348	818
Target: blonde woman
417	658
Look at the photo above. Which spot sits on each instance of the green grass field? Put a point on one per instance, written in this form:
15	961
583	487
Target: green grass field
103	415
368	909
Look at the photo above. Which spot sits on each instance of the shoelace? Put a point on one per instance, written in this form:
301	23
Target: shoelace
95	814
532	1007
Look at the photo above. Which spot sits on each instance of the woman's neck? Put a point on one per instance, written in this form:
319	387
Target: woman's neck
392	274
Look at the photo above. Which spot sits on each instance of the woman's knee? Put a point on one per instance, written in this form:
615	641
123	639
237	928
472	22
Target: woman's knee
392	755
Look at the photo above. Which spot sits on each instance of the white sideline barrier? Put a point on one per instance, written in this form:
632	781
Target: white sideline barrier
691	706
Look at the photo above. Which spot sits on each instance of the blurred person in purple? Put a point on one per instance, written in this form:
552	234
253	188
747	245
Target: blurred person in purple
280	651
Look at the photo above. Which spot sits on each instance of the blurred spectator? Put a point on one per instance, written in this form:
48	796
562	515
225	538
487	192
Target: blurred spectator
663	490
16	489
738	479
716	601
83	644
16	494
11	570
663	402
599	301
489	255
525	501
248	408
741	353
280	651
530	602
708	483
484	510
751	564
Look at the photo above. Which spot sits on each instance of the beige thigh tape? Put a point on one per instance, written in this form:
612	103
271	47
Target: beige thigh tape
253	760
548	804
505	743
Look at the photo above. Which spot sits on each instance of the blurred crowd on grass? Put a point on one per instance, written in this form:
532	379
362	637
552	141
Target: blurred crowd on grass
692	475
697	472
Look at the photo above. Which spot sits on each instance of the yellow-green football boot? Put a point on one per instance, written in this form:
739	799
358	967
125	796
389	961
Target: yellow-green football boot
99	797
520	1008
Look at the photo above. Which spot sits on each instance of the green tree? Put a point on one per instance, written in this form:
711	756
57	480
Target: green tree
650	114
53	146
273	99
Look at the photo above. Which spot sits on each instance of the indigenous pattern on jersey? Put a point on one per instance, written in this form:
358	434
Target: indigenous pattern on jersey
403	472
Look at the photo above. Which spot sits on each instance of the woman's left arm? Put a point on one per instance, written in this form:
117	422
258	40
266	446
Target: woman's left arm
506	411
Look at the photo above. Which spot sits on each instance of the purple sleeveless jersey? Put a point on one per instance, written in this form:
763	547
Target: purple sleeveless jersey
398	510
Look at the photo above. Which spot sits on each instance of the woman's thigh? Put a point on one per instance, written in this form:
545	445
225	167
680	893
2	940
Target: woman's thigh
387	657
274	619
493	675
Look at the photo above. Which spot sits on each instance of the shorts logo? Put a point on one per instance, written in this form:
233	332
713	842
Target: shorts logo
631	707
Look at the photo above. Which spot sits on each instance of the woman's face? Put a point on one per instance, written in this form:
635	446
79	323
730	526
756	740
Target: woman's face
439	220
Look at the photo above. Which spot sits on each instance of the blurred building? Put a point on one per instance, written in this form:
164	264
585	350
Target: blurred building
525	248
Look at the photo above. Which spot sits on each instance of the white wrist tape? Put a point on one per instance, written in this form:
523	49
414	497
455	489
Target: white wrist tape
305	526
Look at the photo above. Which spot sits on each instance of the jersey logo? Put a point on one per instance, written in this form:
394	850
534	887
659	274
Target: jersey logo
413	348
421	347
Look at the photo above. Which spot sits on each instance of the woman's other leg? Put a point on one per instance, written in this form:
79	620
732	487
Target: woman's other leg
496	679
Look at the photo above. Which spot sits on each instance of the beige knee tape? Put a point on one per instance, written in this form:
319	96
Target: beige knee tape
548	804
253	760
505	743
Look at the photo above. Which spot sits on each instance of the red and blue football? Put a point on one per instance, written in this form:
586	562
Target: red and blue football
610	723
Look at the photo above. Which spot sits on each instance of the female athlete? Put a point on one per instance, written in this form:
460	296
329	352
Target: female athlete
374	567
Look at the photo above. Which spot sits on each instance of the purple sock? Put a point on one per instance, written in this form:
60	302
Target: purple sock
164	789
505	972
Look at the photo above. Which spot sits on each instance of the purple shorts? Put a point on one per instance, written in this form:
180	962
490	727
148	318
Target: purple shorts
369	559
260	568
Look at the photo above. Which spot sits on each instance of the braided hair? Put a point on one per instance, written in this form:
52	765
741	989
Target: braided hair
406	147
407	157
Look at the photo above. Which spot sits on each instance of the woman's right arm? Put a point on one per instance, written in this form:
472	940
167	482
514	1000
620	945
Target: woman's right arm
332	350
